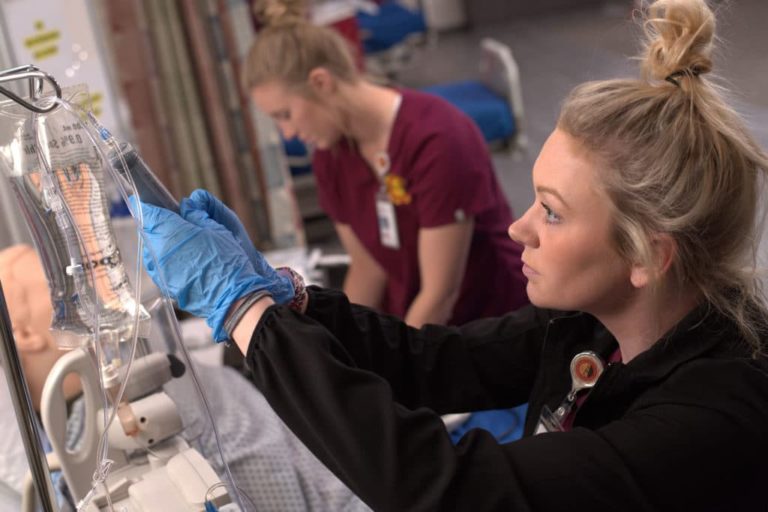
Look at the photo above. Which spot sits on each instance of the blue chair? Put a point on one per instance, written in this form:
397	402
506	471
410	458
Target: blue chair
390	33
494	101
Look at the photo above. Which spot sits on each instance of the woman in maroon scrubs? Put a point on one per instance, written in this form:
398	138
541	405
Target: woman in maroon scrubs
405	176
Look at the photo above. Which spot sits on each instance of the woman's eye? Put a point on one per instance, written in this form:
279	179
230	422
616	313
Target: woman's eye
283	115
551	217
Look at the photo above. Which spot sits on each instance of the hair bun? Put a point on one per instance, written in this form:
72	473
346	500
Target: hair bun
281	13
679	35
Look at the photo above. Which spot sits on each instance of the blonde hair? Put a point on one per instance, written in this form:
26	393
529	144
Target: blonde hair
288	48
677	160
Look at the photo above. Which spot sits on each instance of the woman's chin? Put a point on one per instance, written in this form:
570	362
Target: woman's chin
542	300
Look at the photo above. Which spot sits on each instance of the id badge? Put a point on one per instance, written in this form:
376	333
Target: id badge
385	212
586	368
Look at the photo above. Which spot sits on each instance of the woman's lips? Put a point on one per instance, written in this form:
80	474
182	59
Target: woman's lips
528	271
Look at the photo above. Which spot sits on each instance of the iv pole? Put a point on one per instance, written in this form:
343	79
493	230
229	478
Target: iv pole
25	412
22	403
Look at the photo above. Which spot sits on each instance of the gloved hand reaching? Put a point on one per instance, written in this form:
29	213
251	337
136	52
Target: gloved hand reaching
281	290
203	266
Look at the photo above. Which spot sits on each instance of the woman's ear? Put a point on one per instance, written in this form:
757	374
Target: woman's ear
664	249
321	82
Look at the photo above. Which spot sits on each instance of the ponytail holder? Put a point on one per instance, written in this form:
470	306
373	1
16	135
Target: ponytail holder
682	72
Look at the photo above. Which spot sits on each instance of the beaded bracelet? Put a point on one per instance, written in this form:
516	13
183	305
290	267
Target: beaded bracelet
300	297
234	318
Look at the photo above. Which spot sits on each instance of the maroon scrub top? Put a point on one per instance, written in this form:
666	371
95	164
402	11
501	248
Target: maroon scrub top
447	171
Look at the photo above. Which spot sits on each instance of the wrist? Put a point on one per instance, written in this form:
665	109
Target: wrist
243	331
238	310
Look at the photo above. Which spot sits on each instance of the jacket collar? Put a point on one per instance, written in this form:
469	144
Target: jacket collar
700	332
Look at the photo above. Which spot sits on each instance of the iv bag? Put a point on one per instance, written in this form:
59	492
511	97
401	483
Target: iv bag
57	176
144	417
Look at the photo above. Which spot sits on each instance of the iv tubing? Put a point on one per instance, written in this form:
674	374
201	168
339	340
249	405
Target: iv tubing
104	137
103	464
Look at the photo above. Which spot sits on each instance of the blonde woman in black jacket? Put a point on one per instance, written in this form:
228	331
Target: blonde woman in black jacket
643	357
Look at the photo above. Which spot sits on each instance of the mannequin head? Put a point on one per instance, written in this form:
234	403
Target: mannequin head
29	306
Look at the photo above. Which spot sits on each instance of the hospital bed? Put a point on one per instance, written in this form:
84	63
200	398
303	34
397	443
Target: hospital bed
493	99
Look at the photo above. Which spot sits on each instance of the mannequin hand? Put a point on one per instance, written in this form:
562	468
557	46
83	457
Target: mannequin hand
199	263
203	201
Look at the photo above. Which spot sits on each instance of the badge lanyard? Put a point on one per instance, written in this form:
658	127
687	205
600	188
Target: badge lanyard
586	368
385	210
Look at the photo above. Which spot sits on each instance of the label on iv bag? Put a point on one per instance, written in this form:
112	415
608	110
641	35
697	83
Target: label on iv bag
87	227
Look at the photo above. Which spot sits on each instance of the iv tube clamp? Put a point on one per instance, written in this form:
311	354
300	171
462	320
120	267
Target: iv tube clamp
37	79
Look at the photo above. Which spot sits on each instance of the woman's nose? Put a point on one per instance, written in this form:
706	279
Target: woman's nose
522	232
287	130
514	231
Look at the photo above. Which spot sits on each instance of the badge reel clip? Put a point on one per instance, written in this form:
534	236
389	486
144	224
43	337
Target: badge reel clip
586	368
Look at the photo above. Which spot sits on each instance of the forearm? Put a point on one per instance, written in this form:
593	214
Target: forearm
443	254
423	365
431	308
363	288
378	344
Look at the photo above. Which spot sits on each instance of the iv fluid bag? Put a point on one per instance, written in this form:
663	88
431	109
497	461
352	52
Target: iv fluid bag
57	175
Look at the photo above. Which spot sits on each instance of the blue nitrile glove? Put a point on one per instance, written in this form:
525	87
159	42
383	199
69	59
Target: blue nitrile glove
280	287
202	265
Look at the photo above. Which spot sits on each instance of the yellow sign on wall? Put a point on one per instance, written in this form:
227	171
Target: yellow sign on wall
43	43
60	38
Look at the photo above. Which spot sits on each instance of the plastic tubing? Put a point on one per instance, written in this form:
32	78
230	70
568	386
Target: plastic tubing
99	136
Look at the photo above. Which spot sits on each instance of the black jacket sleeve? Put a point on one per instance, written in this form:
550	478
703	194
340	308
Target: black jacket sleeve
354	386
486	364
